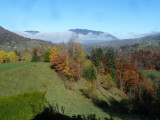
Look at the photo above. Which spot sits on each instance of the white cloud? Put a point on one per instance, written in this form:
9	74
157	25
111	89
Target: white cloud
57	37
54	37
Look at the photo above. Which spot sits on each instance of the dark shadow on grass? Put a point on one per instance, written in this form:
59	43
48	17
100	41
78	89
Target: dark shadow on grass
51	113
118	109
48	115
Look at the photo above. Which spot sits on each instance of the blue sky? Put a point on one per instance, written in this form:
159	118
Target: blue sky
122	18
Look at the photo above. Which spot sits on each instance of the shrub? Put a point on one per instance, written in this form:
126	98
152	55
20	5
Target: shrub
108	82
90	73
26	57
90	92
12	57
3	56
24	106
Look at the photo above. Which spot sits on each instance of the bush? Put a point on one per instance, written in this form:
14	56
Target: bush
91	92
90	73
12	57
24	106
108	82
26	57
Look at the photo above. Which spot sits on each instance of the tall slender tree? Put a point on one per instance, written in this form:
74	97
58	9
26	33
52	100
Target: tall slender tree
110	63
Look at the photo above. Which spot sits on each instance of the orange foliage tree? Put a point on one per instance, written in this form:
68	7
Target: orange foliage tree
72	70
130	76
58	61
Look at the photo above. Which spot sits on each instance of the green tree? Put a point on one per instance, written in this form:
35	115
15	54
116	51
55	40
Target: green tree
90	73
97	56
110	63
35	57
46	56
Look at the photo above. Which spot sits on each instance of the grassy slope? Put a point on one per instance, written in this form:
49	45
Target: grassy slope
18	77
148	72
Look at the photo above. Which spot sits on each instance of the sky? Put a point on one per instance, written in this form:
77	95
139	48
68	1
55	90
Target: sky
122	18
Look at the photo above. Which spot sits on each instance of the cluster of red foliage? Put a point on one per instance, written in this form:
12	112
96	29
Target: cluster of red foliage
59	61
129	77
62	62
147	58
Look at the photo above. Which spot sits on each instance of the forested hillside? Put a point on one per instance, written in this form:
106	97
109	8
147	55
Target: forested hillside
11	40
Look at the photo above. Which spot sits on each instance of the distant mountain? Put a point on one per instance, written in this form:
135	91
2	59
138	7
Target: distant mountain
85	31
10	39
150	40
93	37
150	37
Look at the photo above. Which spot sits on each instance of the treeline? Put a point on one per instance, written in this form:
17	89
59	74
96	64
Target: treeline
40	54
143	58
8	57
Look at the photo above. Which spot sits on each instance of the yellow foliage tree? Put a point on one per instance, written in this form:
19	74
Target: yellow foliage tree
87	64
12	57
53	52
26	57
108	82
3	56
79	53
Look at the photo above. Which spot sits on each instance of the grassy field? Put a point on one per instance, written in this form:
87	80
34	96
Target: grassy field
21	77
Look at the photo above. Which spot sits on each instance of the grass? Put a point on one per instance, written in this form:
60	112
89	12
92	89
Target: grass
148	72
24	106
21	77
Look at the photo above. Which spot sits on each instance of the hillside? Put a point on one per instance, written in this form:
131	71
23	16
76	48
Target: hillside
20	77
11	40
151	40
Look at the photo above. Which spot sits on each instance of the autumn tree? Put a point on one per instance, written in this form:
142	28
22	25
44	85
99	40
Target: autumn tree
72	47
79	53
119	73
12	57
53	52
58	61
130	76
72	70
27	57
3	56
108	82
